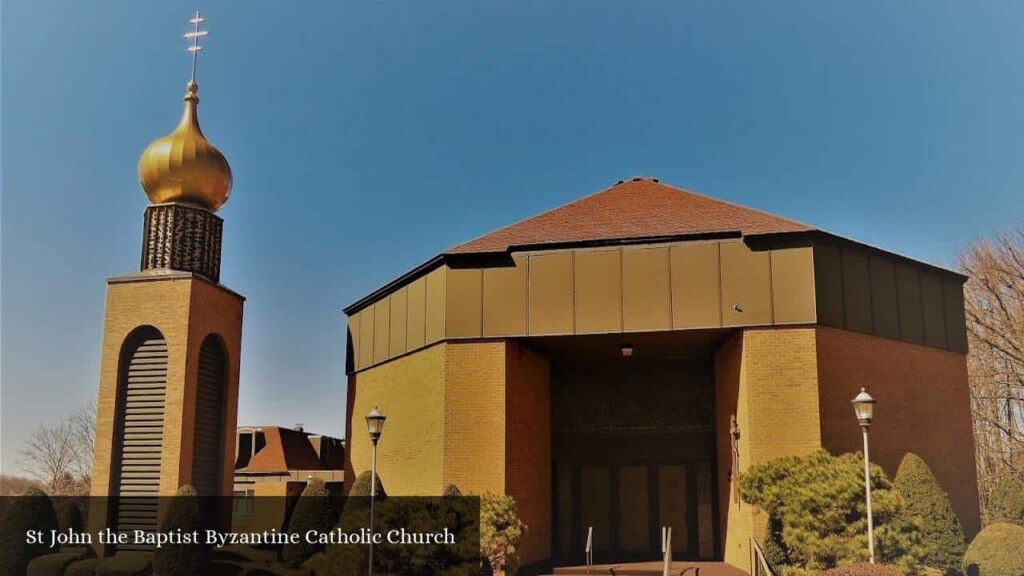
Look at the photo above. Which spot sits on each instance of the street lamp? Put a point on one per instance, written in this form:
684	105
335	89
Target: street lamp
375	426
864	408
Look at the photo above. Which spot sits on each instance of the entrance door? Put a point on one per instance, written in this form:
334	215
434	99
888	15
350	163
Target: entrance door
628	503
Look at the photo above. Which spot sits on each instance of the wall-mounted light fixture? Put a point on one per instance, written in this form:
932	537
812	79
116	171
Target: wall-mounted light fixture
627	350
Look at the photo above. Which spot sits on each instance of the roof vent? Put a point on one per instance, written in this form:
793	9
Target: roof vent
637	178
298	427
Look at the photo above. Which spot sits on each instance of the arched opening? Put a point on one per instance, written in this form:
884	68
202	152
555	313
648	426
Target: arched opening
208	444
139	428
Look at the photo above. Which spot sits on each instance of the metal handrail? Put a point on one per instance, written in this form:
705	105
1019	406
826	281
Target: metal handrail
758	564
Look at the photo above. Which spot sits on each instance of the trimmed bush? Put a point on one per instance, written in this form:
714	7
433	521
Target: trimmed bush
315	510
452	491
55	564
361	487
184	512
927	504
500	532
85	567
70	518
1006	502
127	564
774	549
819	501
33	510
243	554
998	550
863	569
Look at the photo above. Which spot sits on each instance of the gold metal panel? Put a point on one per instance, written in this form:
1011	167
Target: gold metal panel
435	296
366	323
381	330
646	295
793	285
828	284
856	290
956	322
353	335
746	285
598	291
885	311
505	299
464	305
696	286
551	298
399	321
908	293
932	305
416	311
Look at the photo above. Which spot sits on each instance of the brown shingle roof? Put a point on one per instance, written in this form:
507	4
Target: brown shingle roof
639	208
285	450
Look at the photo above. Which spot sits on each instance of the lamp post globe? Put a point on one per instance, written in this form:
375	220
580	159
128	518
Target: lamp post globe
375	424
864	407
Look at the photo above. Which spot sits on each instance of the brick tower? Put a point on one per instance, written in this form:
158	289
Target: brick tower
168	388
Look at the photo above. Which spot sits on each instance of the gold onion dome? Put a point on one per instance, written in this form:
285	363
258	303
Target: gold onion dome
183	166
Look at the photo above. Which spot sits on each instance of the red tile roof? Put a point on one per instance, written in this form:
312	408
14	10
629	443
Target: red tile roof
639	208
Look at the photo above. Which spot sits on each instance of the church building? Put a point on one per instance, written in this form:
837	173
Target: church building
619	361
168	386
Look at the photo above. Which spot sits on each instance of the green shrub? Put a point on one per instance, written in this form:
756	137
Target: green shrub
863	569
452	491
33	510
184	512
85	567
774	548
127	564
70	518
361	487
55	564
998	550
819	501
243	554
926	503
1006	502
315	510
500	532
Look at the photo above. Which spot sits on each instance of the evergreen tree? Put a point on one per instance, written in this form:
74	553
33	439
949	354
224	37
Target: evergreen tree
184	512
315	510
1006	502
927	504
31	511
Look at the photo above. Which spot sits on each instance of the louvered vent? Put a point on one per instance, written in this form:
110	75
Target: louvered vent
209	430
141	420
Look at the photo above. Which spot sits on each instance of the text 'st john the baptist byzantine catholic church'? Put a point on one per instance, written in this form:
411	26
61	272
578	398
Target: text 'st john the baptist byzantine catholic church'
168	390
615	363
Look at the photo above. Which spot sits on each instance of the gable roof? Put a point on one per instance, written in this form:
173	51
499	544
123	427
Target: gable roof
285	450
638	208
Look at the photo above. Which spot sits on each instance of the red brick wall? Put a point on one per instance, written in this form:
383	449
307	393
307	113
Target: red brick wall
528	446
923	407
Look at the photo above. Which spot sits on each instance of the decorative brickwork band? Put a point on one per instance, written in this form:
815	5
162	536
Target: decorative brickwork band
182	237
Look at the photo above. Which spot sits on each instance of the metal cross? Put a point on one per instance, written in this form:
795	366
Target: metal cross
194	36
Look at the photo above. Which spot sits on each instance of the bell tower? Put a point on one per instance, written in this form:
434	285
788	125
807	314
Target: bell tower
168	387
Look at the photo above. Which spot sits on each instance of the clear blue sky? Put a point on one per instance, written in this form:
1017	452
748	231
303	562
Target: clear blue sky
367	136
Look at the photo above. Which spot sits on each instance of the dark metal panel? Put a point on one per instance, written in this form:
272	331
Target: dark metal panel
956	322
856	290
932	305
828	284
885	315
908	291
